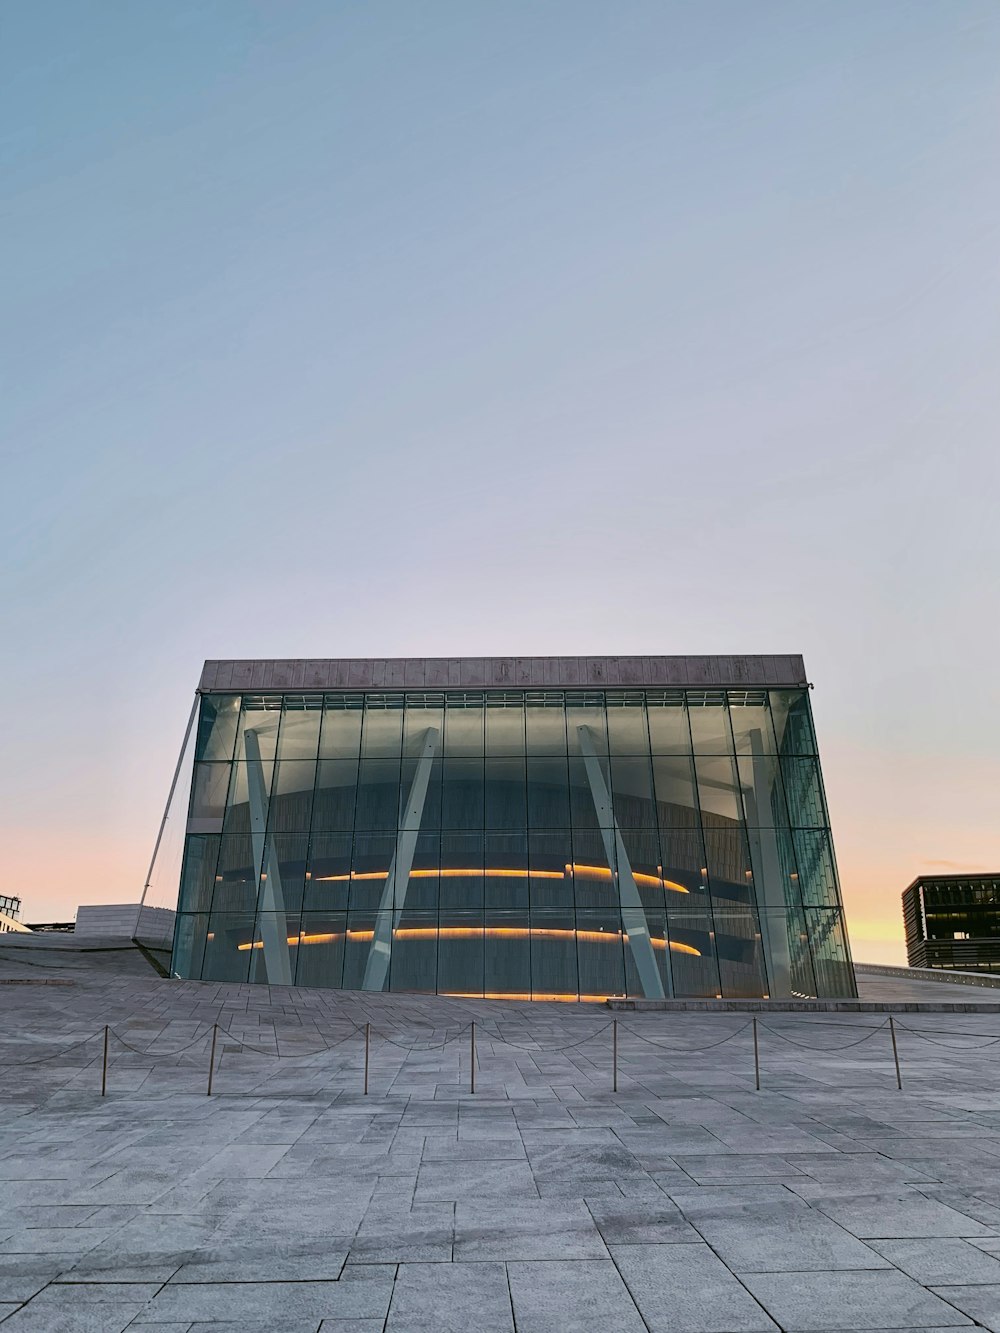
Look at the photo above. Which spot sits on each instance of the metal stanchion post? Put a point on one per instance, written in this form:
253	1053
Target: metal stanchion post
614	1054
756	1055
211	1058
368	1035
104	1066
895	1053
472	1054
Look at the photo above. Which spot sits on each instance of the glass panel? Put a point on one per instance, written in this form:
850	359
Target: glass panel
218	718
292	794
340	735
463	724
632	792
666	713
336	790
261	715
505	794
461	954
189	944
740	954
462	878
422	891
692	953
718	790
763	791
673	779
643	852
656	925
545	724
709	719
209	787
548	804
319	959
201	855
601	952
550	858
423	711
816	869
504	724
789	961
685	871
373	855
237	818
462	794
413	963
288	852
730	874
382	733
506	855
328	877
273	931
300	719
792	722
378	794
804	793
358	947
586	710
430	816
775	875
553	955
751	721
582	807
627	729
236	877
594	881
228	947
831	957
507	956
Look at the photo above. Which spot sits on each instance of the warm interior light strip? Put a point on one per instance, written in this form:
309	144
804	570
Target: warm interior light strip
572	868
476	932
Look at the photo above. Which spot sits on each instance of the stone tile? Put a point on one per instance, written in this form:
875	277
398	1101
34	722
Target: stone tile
902	1214
582	1297
981	1303
941	1260
687	1289
782	1238
389	1234
831	1301
450	1298
366	1296
534	1229
644	1222
463	1180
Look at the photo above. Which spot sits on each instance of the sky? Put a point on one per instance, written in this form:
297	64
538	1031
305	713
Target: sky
551	327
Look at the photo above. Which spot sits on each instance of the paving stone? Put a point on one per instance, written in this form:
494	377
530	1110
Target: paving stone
687	1289
830	1301
367	1296
450	1299
941	1260
778	1237
582	1297
533	1229
899	1215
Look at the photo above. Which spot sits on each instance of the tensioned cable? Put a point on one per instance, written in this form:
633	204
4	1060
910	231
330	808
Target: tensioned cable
686	1050
843	1046
149	1049
63	1050
547	1050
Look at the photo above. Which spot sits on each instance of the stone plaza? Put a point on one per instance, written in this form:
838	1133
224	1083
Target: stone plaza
544	1201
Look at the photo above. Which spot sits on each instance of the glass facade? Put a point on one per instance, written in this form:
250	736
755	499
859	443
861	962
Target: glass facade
524	844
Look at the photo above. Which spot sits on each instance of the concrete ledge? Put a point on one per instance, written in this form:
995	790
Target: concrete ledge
939	974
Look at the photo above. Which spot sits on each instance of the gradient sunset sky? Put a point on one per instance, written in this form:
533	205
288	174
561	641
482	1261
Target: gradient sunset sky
536	326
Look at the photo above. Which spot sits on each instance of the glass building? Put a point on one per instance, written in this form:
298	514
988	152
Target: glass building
570	828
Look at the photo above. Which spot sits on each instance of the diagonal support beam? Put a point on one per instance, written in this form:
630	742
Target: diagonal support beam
633	915
397	881
273	921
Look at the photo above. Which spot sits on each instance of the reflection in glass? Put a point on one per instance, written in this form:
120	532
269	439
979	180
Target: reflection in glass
552	824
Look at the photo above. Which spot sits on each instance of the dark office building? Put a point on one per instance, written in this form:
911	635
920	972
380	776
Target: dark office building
953	921
523	828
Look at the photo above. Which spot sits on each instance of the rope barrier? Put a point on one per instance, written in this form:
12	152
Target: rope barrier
686	1050
63	1050
562	1046
843	1046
